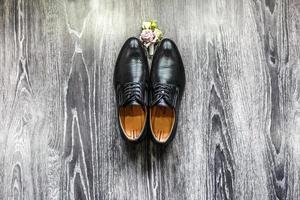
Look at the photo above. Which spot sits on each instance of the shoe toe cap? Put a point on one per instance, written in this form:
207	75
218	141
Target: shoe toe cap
168	44
133	42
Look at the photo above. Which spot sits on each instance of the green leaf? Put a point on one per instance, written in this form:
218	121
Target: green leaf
153	24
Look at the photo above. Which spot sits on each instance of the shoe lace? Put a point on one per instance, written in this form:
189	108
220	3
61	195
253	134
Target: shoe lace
132	92
162	91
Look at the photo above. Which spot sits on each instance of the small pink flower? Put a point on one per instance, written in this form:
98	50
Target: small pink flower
147	37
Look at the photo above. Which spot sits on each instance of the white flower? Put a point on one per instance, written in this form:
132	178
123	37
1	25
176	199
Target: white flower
146	25
158	34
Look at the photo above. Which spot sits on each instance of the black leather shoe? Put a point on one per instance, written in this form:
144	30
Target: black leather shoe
167	82
131	77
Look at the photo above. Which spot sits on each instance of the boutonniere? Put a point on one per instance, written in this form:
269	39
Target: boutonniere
150	36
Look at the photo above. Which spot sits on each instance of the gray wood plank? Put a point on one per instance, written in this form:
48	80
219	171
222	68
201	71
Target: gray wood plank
238	134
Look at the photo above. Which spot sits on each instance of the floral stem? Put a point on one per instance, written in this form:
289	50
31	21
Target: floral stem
151	49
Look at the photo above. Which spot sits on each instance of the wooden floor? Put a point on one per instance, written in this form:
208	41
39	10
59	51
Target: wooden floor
239	129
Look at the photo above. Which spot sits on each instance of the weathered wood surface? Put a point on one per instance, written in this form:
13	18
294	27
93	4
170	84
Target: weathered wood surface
239	129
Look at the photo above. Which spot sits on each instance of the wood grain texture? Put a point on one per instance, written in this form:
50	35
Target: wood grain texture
239	129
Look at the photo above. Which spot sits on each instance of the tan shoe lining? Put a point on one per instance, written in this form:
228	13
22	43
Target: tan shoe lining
161	122
133	119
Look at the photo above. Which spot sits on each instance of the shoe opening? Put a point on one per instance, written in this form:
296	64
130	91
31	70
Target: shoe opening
133	120
162	121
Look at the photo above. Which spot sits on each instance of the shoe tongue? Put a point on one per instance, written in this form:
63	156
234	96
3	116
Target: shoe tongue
162	103
134	103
